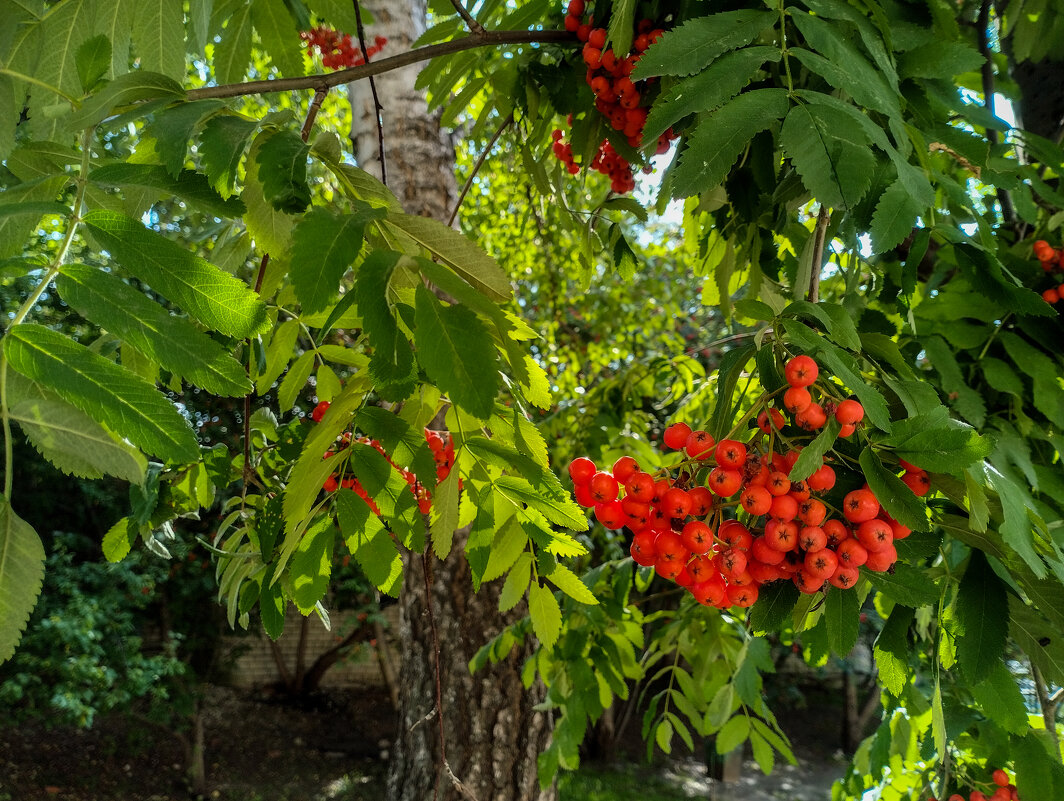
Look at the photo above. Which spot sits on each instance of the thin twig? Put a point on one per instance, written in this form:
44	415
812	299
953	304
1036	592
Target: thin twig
820	232
352	74
1008	211
312	112
1048	703
378	109
471	23
248	472
476	167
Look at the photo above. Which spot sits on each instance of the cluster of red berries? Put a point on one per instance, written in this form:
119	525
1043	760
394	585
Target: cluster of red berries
1052	261
785	532
617	97
1004	790
442	454
339	50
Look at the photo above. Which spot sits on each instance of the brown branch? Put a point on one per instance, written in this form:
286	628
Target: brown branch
1008	211
312	112
426	565
476	167
378	109
471	23
820	232
278	660
486	39
1048	703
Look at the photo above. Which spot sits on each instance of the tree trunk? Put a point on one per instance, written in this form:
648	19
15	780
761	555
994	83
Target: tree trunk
492	735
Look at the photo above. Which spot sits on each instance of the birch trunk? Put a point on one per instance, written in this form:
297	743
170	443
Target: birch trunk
492	734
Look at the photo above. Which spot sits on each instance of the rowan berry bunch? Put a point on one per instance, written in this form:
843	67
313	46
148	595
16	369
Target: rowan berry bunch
617	97
442	454
339	50
688	524
1003	790
1052	261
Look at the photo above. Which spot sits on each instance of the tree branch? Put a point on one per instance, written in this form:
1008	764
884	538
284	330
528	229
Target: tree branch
476	167
1048	703
378	109
1008	211
317	82
820	232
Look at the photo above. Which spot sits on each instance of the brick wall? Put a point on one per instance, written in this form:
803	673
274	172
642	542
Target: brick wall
255	665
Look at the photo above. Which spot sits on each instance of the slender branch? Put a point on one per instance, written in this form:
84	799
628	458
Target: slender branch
982	23
378	109
248	472
506	123
820	232
352	74
312	112
1048	703
471	23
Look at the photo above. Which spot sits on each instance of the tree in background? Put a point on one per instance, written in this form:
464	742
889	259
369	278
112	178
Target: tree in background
864	223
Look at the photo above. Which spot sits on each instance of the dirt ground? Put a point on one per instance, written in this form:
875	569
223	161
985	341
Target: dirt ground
334	748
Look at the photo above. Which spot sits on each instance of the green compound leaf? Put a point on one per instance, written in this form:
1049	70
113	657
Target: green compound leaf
831	154
281	165
187	185
324	245
456	351
546	614
276	28
232	53
724	134
21	576
893	494
369	541
841	613
122	91
93	60
695	44
69	438
223	141
981	608
172	129
159	34
173	342
392	361
892	649
717	84
1000	698
569	583
895	217
311	566
212	296
106	392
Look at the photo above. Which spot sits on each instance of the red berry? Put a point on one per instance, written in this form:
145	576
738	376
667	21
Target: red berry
852	553
624	468
821	564
597	38
801	371
1000	777
918	482
756	500
697	537
731	454
675	503
821	479
849	412
859	506
797	399
676	435
604	487
875	535
725	482
611	514
581	469
699	445
319	411
640	486
701	501
881	561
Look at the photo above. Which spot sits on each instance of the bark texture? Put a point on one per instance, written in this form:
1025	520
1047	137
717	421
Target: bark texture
491	732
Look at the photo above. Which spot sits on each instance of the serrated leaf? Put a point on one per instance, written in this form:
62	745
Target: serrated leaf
509	542
173	342
21	576
93	60
1038	639
693	45
295	380
841	611
1016	530
939	59
557	509
456	352
68	438
717	84
892	493
272	606
831	155
892	649
936	442
894	218
569	583
124	90
905	585
280	38
722	135
119	539
545	613
106	392
212	296
445	515
733	734
370	542
159	35
172	129
187	185
311	566
517	581
773	606
324	246
1000	699
811	458
392	360
281	167
232	53
458	252
221	146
